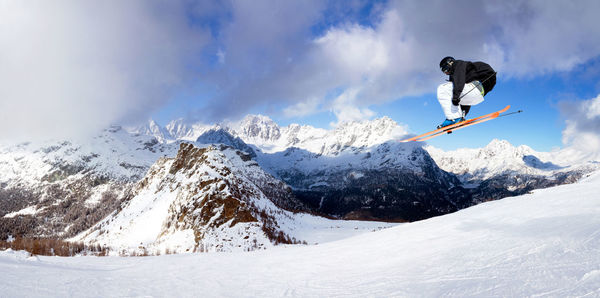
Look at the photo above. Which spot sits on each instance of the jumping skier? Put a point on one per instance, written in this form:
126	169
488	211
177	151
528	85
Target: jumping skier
466	86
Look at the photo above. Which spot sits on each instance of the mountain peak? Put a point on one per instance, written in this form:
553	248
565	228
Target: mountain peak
151	128
255	118
152	123
221	136
173	124
496	147
503	148
211	198
259	127
496	143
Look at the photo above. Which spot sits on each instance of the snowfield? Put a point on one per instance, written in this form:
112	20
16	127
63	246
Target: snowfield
546	244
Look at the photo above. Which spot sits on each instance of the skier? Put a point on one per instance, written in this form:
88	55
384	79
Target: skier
465	77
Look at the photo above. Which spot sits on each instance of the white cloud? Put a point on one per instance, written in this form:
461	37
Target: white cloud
377	61
221	56
346	110
541	37
303	108
358	52
395	55
582	131
75	67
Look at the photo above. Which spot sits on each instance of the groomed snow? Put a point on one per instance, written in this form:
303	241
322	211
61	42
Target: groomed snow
542	244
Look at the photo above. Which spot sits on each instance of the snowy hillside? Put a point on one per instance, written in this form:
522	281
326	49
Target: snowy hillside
59	188
540	244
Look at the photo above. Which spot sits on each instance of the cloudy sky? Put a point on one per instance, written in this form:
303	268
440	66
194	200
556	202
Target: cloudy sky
74	67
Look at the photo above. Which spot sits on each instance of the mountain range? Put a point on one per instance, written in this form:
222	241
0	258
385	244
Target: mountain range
246	185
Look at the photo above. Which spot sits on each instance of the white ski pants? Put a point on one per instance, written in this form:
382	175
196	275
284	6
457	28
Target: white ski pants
444	94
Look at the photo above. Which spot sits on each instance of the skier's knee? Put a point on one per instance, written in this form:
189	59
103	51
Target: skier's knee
444	91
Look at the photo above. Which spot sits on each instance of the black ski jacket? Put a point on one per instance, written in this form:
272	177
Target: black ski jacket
466	72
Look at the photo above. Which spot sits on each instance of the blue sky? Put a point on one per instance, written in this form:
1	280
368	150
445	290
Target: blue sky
75	67
539	126
537	94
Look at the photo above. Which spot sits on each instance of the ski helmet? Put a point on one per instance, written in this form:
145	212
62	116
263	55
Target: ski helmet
446	64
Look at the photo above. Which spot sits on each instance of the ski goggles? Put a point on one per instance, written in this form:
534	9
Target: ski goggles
445	68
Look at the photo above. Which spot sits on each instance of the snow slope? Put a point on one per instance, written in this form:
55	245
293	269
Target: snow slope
546	244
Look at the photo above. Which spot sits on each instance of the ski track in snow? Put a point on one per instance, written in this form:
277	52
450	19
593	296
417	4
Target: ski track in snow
544	244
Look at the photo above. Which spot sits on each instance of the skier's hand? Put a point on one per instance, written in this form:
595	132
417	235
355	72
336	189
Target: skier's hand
455	101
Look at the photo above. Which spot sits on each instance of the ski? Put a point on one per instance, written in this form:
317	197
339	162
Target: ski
461	125
456	126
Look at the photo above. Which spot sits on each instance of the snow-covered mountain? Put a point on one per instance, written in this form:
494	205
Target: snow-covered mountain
60	188
220	136
497	157
270	138
355	171
161	134
391	181
263	133
204	199
259	129
114	153
265	136
515	167
180	129
542	244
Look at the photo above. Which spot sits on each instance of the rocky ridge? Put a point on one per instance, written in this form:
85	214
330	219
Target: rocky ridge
211	198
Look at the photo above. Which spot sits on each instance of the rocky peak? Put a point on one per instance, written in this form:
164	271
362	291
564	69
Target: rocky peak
208	198
183	130
221	136
188	157
261	127
502	149
151	128
499	145
178	128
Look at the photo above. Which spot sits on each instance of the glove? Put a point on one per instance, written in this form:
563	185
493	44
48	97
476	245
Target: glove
455	101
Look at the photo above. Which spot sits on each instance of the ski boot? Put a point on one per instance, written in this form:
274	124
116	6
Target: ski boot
450	122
